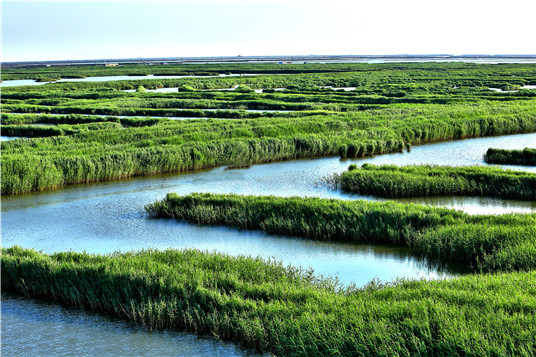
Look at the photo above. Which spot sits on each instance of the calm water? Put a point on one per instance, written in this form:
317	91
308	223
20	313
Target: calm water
346	89
7	138
176	89
34	328
109	216
31	82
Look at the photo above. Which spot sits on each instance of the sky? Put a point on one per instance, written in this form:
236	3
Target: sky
60	30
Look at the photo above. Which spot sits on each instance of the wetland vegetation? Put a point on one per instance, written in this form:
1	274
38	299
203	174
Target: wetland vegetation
487	242
272	308
526	156
419	181
393	107
99	132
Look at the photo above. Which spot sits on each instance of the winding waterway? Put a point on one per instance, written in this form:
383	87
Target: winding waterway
109	216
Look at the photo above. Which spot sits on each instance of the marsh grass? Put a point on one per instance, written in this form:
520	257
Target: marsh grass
287	311
526	156
487	243
393	107
393	181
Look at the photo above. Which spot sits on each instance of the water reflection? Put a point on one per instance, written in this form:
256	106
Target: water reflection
512	91
476	205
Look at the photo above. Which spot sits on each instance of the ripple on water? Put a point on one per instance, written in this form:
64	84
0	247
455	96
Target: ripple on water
34	328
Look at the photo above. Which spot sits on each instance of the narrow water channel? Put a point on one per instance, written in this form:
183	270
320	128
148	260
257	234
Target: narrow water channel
109	216
32	82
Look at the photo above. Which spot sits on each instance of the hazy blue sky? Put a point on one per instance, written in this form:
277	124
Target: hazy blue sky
87	30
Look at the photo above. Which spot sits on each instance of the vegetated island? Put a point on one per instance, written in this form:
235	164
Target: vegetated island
489	243
393	181
527	156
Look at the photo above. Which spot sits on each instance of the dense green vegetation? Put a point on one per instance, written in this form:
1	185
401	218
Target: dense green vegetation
93	131
392	107
526	156
287	311
171	146
412	181
490	243
56	130
456	73
55	73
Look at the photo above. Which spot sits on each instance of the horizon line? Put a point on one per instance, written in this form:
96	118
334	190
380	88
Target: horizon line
311	56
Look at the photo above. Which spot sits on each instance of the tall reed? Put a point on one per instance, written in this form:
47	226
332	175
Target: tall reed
527	156
287	311
424	180
488	243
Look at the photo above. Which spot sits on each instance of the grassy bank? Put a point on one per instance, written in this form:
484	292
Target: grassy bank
526	156
285	311
173	146
490	243
418	181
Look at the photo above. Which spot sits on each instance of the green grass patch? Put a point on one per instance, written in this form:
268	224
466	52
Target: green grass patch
158	146
392	107
419	181
526	156
287	311
488	243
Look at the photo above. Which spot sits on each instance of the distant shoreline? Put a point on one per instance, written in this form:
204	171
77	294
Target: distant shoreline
279	59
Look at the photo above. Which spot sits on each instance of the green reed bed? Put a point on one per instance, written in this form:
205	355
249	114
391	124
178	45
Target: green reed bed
393	107
393	181
236	113
168	70
527	156
28	119
262	304
427	69
172	146
56	130
14	120
287	311
489	243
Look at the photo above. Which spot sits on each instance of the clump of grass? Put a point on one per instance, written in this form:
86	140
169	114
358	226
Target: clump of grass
527	156
413	181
